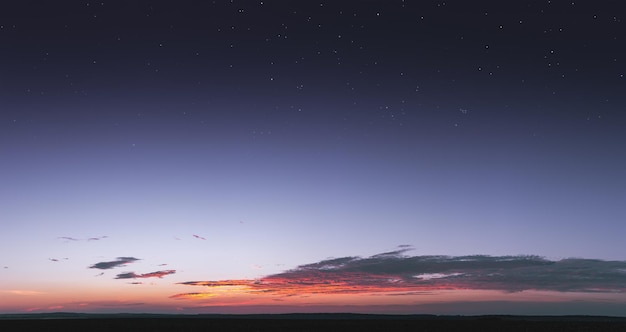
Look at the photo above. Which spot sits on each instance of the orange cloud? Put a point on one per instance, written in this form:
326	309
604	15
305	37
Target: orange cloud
314	282
193	296
394	273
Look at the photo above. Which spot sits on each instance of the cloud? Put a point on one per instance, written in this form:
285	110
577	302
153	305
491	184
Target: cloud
68	238
237	282
95	238
156	274
109	265
22	292
193	296
57	260
395	273
126	275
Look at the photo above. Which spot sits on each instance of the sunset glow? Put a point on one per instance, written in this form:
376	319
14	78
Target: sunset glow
383	156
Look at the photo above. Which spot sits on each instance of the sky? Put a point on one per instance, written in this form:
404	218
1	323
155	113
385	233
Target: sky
413	157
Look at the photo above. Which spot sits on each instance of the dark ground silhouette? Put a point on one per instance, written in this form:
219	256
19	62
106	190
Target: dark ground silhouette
305	322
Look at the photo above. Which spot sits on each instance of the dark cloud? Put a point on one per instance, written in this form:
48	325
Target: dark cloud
229	282
156	274
394	272
109	265
96	238
68	238
126	275
57	260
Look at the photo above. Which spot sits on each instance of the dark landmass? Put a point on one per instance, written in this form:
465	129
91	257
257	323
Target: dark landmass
303	322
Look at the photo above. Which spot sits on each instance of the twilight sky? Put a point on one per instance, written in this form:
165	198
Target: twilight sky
457	157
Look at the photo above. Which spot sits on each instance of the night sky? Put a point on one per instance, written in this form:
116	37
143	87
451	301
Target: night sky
461	157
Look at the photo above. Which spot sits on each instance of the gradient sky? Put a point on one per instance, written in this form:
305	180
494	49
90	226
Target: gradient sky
460	157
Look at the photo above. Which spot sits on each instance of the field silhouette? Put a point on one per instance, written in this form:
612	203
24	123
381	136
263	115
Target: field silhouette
305	322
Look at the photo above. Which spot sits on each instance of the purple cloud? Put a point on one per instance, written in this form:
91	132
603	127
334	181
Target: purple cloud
109	265
156	274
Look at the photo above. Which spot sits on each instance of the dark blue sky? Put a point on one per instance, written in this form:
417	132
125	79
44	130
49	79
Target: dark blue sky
287	132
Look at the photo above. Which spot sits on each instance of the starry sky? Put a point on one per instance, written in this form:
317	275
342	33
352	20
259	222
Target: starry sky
447	157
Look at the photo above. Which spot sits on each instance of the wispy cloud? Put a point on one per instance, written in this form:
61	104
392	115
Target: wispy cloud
118	262
95	238
395	273
192	296
156	274
22	292
56	259
68	238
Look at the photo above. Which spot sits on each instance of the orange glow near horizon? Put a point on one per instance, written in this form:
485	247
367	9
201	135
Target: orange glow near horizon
236	295
315	285
373	285
378	290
